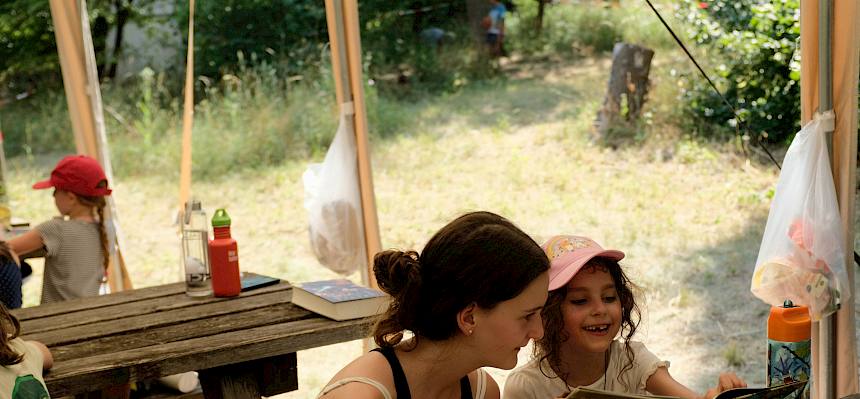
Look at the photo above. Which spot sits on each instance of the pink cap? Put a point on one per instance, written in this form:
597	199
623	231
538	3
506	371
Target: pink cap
79	174
567	254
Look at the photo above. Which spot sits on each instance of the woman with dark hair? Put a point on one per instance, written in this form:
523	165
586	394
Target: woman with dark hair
472	298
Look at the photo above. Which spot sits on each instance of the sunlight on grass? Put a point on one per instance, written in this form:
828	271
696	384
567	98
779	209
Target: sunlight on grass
689	219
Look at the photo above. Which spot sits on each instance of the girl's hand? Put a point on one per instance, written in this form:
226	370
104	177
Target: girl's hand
725	382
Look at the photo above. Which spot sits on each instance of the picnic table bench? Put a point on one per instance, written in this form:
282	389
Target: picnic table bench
242	347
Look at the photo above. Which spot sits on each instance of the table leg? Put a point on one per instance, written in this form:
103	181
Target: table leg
269	376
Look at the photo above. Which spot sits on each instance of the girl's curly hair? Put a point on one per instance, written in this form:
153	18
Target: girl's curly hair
548	348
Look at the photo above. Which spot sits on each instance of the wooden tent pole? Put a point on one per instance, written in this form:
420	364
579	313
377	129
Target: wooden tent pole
334	20
119	278
342	19
365	173
831	83
187	117
80	80
67	31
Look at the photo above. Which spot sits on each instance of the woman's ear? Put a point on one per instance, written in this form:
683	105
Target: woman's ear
466	319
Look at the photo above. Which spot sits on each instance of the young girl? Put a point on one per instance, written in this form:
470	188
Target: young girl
471	299
21	362
76	243
590	302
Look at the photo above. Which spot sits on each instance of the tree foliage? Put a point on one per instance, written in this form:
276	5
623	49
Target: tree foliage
28	50
757	43
290	31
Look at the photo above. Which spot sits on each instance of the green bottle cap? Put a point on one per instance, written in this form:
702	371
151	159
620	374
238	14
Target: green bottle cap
220	218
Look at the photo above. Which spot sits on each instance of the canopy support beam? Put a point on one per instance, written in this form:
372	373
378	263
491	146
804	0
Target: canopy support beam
344	34
830	50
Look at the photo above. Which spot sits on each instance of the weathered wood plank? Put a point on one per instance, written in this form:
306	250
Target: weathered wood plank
281	313
96	302
91	373
119	298
95	330
123	310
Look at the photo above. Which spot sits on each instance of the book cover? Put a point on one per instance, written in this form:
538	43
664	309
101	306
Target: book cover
252	281
340	299
774	392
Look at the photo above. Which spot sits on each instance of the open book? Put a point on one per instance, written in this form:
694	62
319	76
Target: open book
774	392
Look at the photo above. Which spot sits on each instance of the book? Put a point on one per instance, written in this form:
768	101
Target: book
774	392
251	281
340	299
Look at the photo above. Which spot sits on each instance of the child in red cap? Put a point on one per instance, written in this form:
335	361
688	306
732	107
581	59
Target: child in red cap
589	319
76	243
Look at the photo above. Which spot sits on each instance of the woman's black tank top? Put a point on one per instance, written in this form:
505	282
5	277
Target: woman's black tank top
401	386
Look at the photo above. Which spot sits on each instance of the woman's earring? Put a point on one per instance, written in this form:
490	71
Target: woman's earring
471	330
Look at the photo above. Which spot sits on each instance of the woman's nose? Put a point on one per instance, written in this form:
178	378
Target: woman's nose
536	330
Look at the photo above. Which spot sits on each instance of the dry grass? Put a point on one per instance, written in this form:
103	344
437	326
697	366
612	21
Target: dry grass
689	216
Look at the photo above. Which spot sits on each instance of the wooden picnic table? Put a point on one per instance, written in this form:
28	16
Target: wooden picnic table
242	347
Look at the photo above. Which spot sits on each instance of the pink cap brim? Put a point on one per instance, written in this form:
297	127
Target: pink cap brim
563	268
43	184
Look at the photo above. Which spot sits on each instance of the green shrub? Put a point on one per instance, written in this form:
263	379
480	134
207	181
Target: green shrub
568	29
37	124
756	43
583	28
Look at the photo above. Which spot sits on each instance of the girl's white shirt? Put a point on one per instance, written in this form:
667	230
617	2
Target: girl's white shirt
528	382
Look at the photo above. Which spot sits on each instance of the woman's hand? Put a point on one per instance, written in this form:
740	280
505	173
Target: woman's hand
725	382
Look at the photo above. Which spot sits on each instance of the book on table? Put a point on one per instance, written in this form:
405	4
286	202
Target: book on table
774	392
340	299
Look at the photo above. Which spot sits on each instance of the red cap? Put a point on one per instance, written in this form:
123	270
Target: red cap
79	174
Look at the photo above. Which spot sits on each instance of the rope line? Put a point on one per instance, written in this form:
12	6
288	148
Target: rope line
713	86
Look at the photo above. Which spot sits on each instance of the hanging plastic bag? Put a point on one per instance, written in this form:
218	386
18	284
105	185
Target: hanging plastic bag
801	256
334	205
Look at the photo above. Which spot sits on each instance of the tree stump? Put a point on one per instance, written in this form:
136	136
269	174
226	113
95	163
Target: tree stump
627	88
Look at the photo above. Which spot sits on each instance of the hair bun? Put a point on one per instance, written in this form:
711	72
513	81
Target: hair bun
395	270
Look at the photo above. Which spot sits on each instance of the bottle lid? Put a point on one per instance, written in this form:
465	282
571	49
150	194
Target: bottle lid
220	218
789	323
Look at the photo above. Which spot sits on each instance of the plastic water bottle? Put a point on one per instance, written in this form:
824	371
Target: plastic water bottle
224	253
789	331
195	253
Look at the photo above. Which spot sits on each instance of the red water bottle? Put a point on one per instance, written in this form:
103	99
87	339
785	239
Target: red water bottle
224	258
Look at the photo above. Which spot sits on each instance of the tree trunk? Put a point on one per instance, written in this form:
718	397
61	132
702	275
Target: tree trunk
123	11
539	22
628	86
476	10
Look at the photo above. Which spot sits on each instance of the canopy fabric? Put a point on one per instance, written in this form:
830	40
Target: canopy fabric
845	55
80	80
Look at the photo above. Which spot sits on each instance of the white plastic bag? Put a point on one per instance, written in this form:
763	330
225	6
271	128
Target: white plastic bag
333	202
801	256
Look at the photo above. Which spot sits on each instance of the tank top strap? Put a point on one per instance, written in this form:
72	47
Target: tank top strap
401	386
465	388
481	388
364	380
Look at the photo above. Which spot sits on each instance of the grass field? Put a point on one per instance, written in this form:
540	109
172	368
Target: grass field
688	214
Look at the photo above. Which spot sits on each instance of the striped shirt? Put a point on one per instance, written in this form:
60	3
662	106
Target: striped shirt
74	261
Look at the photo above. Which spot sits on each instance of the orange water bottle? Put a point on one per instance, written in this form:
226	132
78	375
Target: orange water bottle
789	347
224	258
